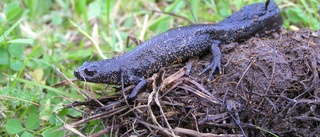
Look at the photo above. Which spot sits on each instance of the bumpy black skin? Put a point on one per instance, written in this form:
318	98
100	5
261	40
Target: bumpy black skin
180	44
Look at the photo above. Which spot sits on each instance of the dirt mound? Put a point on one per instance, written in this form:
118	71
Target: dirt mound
269	86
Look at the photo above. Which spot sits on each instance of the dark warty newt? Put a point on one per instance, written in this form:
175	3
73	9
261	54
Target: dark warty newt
180	44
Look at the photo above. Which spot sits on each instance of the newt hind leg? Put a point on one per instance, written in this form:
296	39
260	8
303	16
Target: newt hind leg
216	59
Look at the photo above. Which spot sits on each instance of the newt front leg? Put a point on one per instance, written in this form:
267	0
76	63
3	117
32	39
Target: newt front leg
142	83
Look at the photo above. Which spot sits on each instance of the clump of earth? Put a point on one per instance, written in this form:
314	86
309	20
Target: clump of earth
268	86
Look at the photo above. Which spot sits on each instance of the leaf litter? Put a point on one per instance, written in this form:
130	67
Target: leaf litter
269	87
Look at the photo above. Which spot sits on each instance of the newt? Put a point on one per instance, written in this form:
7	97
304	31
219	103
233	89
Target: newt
180	44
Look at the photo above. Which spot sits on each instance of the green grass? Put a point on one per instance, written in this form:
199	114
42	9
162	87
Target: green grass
38	45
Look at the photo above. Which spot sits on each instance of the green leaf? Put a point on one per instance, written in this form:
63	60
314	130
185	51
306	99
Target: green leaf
16	65
5	91
94	9
46	112
4	56
32	121
16	50
11	6
14	126
293	13
44	6
37	75
33	109
52	119
22	41
57	19
1	20
37	52
53	132
32	6
78	7
27	134
13	11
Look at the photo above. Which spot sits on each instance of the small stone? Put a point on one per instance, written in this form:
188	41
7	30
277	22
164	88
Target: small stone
294	28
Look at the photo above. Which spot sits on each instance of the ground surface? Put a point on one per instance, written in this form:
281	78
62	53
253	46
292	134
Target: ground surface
269	86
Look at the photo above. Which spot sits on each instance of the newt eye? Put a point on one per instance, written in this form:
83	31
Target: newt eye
89	72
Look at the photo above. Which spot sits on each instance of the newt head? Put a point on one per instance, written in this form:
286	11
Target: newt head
104	71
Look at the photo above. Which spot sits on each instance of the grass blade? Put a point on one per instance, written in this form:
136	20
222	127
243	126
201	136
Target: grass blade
10	29
95	44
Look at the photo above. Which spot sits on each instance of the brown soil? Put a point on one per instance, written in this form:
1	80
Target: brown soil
269	86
